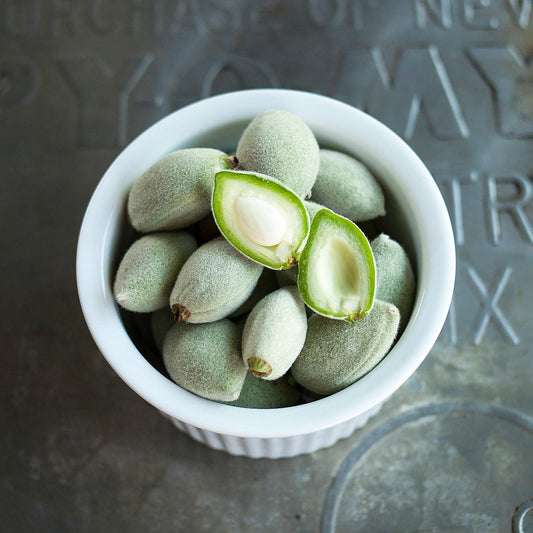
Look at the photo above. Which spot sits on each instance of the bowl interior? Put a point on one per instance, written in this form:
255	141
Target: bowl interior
416	217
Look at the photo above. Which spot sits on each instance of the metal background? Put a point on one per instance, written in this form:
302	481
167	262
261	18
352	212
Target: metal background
452	450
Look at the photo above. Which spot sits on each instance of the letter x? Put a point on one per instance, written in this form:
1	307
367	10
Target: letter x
490	306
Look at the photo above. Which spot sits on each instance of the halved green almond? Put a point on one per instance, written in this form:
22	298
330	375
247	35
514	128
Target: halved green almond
336	273
260	217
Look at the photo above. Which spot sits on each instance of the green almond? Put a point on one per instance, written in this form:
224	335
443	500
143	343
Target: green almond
347	186
257	393
213	283
274	333
175	191
395	281
336	273
337	354
260	217
205	359
279	143
148	270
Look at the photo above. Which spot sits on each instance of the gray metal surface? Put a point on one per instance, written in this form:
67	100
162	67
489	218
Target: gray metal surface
452	449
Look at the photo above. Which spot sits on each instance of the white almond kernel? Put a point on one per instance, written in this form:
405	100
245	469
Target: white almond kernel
263	223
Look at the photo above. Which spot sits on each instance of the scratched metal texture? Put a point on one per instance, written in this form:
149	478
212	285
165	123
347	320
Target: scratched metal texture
452	450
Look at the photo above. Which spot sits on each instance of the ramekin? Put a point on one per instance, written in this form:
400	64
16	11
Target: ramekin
416	216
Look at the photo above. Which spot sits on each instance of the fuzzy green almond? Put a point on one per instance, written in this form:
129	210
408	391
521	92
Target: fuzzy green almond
213	283
205	359
396	279
260	217
274	333
257	393
148	270
347	186
337	354
336	272
279	143
175	191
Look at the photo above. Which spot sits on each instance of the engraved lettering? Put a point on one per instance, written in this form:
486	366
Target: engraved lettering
142	11
223	15
327	13
521	10
514	206
63	14
439	11
103	112
232	73
136	10
511	81
455	184
337	13
96	20
159	17
471	8
264	15
489	306
186	14
358	14
419	83
18	81
22	16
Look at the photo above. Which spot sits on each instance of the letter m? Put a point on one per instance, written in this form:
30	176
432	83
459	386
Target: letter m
417	83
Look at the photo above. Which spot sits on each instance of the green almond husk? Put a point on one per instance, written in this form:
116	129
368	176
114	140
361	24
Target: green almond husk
279	257
352	279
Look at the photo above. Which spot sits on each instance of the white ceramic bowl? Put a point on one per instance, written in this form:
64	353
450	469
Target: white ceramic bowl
417	217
